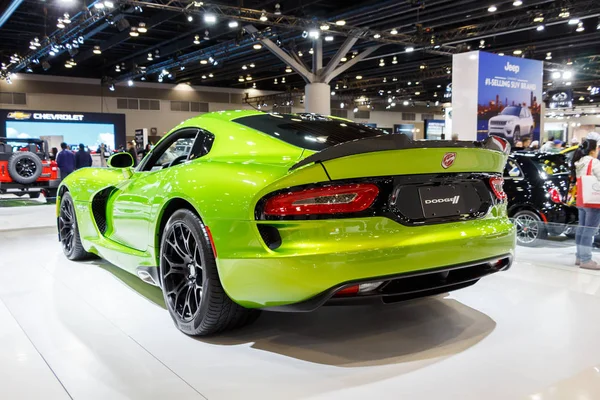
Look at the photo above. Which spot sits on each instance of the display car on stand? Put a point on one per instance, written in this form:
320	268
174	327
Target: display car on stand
234	212
536	185
26	169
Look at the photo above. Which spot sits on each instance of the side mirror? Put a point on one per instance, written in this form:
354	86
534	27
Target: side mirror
120	160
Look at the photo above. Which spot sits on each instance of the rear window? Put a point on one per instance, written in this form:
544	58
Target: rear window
552	164
308	132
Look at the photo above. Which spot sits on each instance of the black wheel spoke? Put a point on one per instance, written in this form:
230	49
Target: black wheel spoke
182	272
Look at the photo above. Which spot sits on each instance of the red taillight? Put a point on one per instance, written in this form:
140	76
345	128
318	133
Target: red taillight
212	242
555	195
497	185
337	199
348	291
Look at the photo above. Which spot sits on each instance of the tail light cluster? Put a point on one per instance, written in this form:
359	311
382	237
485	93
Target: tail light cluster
497	185
555	195
335	199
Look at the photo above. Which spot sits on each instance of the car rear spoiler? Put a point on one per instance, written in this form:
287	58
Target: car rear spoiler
398	142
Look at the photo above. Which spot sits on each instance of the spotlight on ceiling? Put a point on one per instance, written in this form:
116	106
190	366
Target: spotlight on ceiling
313	34
556	75
409	49
540	28
492	8
517	3
130	82
97	50
111	87
210	18
340	22
263	16
277	9
257	46
573	21
329	38
233	24
142	28
190	18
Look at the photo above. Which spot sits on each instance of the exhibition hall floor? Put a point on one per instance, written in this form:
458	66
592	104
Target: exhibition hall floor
88	331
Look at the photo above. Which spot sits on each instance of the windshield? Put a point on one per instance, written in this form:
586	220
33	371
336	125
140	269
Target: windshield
512	110
308	132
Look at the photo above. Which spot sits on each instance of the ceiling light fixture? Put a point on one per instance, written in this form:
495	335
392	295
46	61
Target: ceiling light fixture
492	8
540	28
376	36
263	16
324	27
190	18
344	59
573	21
409	49
517	3
257	46
133	32
97	50
313	34
142	28
241	79
358	77
277	9
288	69
382	63
197	39
549	55
244	67
555	75
130	83
233	24
340	22
203	62
518	52
394	31
395	60
329	38
580	27
539	18
210	18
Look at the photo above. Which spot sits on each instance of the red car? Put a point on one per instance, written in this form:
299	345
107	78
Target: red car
26	168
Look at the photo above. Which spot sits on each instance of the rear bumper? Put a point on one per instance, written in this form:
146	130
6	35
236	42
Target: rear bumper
31	187
406	286
318	256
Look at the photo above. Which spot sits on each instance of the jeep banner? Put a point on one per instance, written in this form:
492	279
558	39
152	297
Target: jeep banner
508	101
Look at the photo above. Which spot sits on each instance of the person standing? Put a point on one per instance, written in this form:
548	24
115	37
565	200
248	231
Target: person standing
65	161
131	150
82	158
585	162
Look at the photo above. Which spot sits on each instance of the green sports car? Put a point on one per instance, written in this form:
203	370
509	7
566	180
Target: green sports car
237	211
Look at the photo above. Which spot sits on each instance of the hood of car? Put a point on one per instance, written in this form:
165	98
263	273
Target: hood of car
504	118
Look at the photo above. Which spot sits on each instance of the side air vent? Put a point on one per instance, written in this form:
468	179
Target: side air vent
99	208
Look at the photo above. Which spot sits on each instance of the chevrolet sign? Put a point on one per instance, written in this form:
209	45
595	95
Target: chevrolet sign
58	117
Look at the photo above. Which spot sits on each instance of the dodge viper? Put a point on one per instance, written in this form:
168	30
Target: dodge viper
240	211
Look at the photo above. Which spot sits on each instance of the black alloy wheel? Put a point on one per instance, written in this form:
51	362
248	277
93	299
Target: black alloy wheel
66	224
25	167
517	134
68	230
183	273
190	280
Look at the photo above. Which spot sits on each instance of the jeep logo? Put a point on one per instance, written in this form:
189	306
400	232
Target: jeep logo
453	200
511	67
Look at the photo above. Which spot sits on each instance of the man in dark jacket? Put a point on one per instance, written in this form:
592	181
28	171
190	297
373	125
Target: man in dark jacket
131	150
65	160
82	158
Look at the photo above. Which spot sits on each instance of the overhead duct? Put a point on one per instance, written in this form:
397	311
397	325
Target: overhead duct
12	7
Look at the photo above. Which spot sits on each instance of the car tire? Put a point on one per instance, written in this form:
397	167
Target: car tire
34	195
516	134
24	167
68	230
190	280
531	230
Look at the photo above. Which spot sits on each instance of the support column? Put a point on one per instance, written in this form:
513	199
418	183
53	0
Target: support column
317	98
